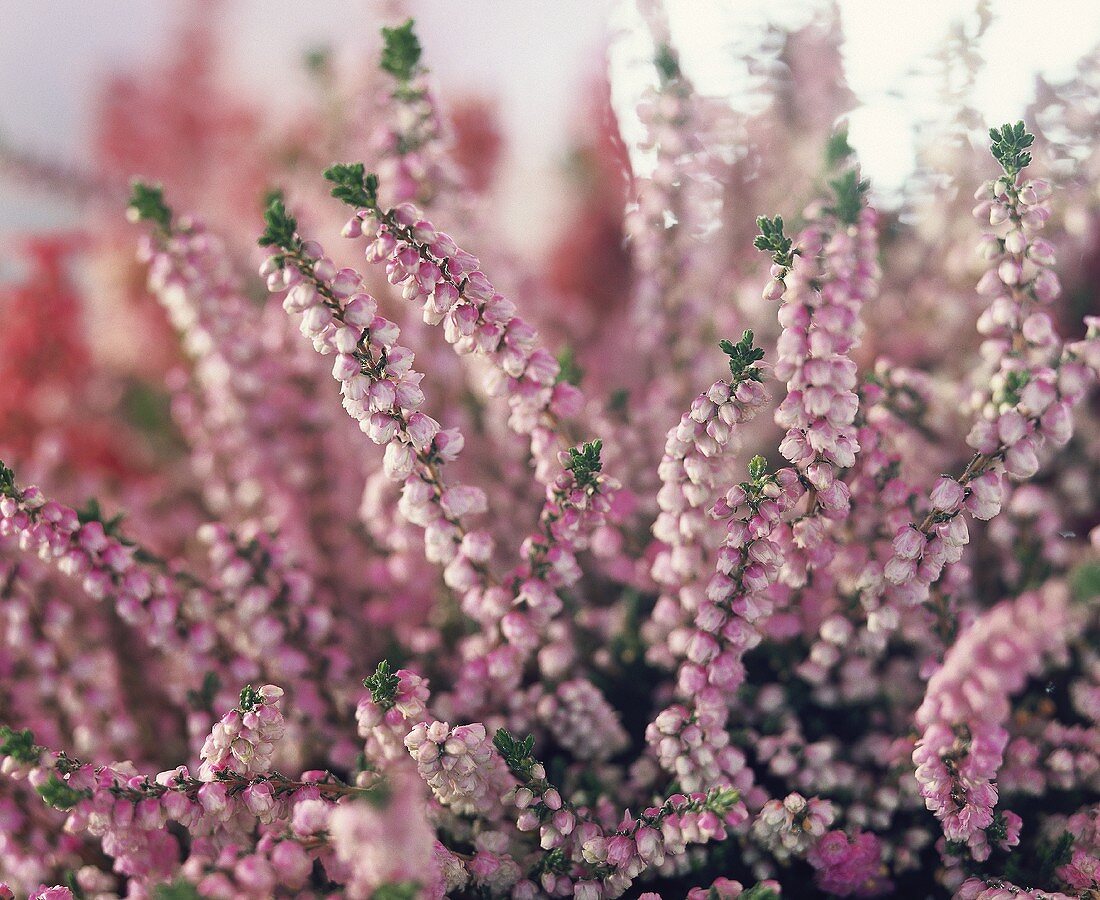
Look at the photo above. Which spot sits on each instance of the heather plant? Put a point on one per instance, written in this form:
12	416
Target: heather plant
417	595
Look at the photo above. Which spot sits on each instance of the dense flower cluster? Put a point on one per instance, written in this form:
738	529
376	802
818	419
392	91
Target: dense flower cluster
716	625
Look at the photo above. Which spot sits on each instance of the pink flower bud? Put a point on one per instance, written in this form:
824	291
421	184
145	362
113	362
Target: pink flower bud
946	495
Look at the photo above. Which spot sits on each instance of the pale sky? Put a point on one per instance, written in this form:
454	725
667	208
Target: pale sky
887	42
534	55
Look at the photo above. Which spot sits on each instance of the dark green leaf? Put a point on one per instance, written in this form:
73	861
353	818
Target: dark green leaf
353	185
400	51
147	205
383	685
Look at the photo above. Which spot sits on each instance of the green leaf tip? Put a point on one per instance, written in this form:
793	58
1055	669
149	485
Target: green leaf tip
91	511
1009	147
7	480
743	356
848	197
569	370
176	890
281	227
250	699
667	63
772	240
353	185
147	205
837	148
19	745
403	890
758	468
382	685
516	752
400	51
59	795
760	892
1085	581
585	464
318	60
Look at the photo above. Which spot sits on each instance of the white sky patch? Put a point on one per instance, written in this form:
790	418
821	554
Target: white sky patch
888	47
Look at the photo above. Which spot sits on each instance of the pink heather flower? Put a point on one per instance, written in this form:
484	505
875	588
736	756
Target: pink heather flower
364	838
946	495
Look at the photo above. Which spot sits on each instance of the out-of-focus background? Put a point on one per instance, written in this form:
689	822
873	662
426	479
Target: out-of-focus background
532	62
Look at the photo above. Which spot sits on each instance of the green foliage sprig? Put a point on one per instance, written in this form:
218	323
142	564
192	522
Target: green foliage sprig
837	148
569	370
176	890
667	63
147	205
404	890
585	464
400	51
250	699
7	481
772	240
516	753
59	795
19	745
743	357
382	685
92	512
1009	147
354	185
281	228
848	197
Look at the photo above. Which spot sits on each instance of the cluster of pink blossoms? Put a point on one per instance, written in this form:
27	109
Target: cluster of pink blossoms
660	646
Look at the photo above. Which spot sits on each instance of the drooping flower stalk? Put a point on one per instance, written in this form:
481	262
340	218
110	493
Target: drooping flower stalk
694	461
1037	380
475	317
966	706
412	142
691	740
380	390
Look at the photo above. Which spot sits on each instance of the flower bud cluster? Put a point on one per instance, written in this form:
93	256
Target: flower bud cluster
966	706
693	743
792	827
152	600
459	765
821	326
848	866
429	266
382	392
659	834
581	720
243	741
